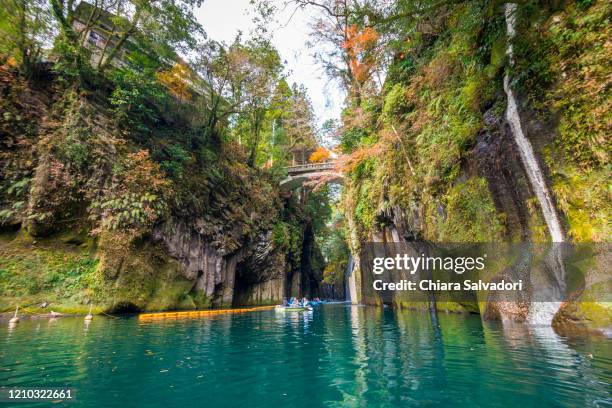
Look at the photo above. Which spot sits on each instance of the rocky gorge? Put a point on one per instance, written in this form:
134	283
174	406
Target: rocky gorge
247	245
470	122
501	169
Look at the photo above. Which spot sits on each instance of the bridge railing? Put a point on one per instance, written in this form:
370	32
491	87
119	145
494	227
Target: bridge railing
305	168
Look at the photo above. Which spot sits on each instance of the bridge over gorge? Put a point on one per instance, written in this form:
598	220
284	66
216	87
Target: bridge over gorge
298	175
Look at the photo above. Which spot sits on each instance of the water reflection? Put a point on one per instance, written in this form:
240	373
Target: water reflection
339	355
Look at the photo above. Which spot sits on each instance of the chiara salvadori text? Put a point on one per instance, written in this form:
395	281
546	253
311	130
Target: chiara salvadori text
437	285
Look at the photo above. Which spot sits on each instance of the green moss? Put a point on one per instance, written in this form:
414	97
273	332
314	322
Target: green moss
436	115
395	103
441	306
596	314
587	314
47	270
498	55
470	214
564	66
581	63
582	198
172	295
365	213
280	234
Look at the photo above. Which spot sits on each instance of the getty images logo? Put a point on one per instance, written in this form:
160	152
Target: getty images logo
412	264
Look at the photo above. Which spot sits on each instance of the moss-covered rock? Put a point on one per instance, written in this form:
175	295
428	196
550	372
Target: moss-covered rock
144	218
35	272
437	150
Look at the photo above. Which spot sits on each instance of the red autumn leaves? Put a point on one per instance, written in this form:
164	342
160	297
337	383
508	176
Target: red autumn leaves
360	46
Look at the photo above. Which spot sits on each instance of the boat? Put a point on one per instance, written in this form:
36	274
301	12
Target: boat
281	308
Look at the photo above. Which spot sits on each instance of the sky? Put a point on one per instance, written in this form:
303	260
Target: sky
222	19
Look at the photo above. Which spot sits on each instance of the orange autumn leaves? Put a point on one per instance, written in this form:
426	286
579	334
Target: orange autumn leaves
320	155
176	80
142	174
360	47
138	196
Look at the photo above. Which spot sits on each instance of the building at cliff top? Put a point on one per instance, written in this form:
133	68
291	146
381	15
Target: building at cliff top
107	36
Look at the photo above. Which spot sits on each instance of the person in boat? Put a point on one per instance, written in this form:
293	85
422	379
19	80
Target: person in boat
285	303
304	302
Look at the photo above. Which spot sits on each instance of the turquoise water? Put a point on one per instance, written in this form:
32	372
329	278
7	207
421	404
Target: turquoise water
339	355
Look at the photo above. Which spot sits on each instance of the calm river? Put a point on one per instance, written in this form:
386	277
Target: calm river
336	356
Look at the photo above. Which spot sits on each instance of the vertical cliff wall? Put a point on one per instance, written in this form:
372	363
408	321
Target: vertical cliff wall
195	228
485	145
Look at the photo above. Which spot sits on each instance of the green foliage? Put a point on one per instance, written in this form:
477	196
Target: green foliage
584	4
395	103
351	139
334	272
72	67
281	234
24	25
178	159
564	71
135	99
318	209
138	197
365	208
470	214
410	152
161	28
584	197
92	167
19	188
47	272
287	236
290	124
255	71
131	209
75	145
334	249
17	192
580	61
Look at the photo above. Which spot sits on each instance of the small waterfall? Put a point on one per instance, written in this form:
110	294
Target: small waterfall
349	272
540	312
531	165
526	151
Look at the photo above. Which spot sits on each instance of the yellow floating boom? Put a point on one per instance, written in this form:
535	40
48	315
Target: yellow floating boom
199	313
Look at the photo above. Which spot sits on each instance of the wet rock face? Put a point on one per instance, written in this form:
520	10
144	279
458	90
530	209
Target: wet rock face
260	275
404	226
496	158
266	275
63	186
211	270
256	273
194	253
333	291
261	264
